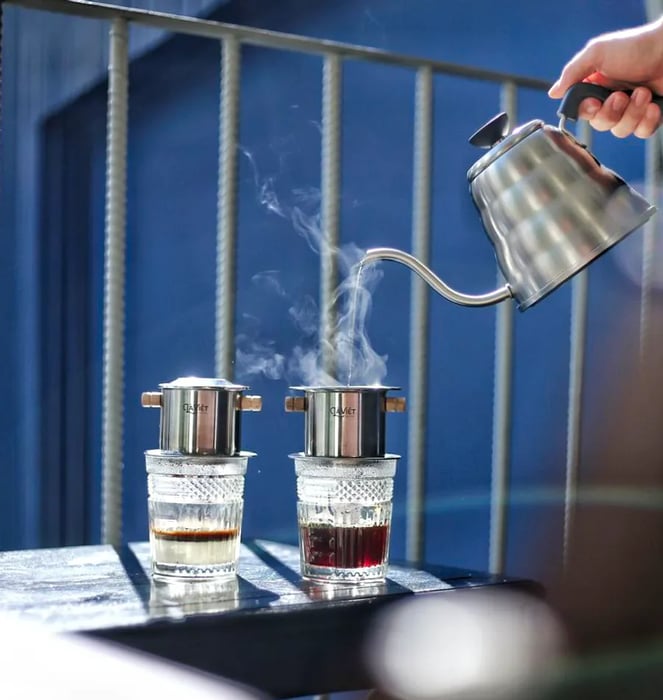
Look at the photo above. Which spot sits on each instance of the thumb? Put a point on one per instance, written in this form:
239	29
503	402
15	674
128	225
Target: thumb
579	67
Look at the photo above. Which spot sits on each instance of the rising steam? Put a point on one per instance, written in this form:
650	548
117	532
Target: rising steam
355	361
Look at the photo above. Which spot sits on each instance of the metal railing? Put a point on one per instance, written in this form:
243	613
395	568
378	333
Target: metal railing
232	38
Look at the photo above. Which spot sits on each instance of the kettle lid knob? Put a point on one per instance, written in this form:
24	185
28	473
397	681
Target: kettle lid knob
491	132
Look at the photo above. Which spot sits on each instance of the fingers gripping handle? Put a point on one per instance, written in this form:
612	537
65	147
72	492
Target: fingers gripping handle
570	105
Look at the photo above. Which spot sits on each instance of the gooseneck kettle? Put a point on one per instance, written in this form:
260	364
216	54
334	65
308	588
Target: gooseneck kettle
547	204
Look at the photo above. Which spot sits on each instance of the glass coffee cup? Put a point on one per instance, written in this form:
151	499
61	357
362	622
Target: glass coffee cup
195	507
344	510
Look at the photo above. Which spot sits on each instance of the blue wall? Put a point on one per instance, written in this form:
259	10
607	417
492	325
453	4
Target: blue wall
171	234
48	60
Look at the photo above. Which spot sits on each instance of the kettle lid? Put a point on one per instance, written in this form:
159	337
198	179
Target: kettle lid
490	135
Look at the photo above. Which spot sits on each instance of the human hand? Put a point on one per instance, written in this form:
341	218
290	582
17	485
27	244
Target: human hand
631	59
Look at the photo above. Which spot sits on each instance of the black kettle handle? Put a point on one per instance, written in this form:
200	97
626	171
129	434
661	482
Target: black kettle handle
580	91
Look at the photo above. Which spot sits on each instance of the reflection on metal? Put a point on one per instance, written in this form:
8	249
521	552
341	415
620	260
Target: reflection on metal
114	275
330	202
502	408
578	339
227	208
419	316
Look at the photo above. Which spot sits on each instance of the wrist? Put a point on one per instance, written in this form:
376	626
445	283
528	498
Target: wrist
657	44
657	28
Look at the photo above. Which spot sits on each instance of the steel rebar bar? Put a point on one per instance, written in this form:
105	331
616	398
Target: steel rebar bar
227	208
419	317
114	282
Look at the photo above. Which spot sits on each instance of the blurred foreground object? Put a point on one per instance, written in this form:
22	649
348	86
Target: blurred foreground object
474	644
609	595
35	663
602	635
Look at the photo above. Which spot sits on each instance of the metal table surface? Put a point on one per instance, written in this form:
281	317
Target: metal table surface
266	627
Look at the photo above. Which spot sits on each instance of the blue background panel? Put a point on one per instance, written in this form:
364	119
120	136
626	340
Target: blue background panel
171	230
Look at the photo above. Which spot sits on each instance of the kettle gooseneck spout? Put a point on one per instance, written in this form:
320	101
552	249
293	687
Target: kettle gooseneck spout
428	276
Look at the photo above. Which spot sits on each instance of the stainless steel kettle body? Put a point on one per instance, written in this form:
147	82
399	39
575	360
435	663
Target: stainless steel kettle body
547	204
550	208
